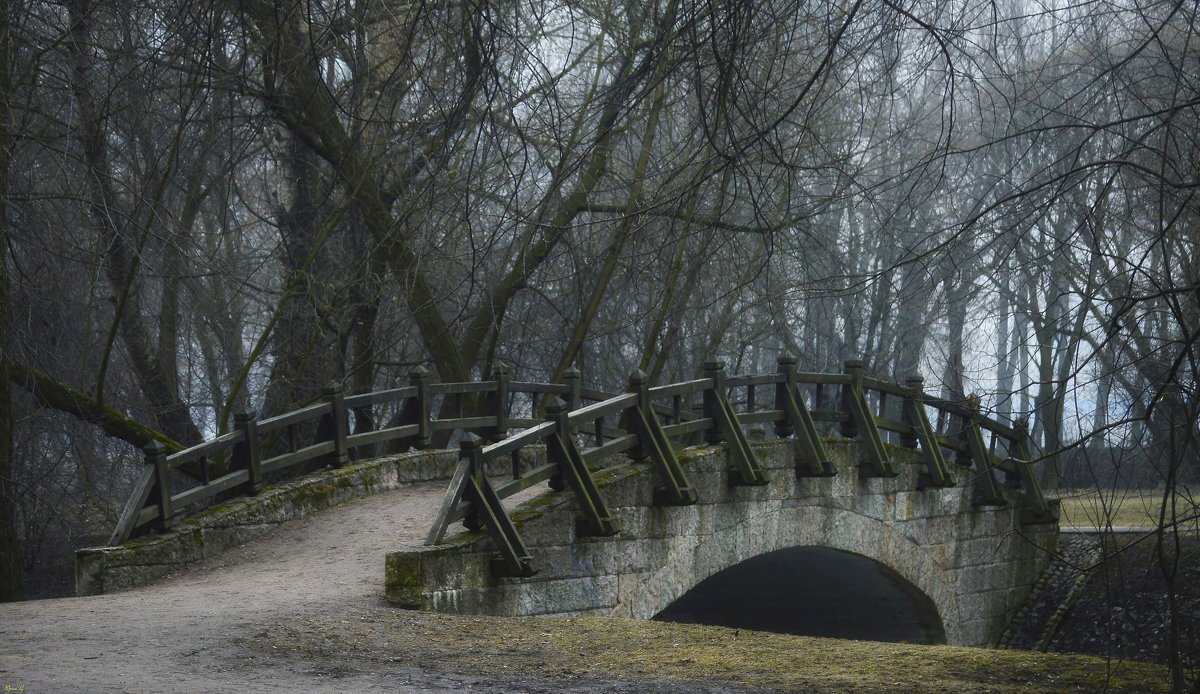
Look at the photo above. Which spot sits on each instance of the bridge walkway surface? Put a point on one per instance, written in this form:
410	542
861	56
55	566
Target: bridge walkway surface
208	628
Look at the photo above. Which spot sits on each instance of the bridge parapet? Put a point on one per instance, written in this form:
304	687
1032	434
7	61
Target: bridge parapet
976	562
647	424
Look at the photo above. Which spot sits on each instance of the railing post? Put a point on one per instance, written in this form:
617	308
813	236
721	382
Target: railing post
915	385
919	431
853	368
712	402
470	449
859	421
156	456
812	460
333	425
556	411
1038	509
1018	448
787	367
639	385
574	381
985	477
499	401
419	412
561	449
246	453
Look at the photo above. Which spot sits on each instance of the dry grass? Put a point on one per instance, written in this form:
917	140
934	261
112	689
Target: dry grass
602	649
1136	508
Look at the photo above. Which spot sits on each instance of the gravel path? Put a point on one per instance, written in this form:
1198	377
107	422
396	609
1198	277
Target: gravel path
279	614
185	632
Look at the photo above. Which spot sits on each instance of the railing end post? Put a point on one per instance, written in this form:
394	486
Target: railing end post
418	413
334	427
246	453
574	381
156	456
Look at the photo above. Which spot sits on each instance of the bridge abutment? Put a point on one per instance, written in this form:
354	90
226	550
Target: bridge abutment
977	564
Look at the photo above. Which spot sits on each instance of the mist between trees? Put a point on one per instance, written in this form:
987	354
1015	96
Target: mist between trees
214	207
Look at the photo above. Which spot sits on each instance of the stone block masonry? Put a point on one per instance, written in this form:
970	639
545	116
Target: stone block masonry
205	535
977	564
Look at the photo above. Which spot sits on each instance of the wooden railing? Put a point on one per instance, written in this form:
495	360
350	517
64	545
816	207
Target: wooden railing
646	421
318	434
581	426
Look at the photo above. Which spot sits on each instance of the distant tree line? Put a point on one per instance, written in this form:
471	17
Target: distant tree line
214	207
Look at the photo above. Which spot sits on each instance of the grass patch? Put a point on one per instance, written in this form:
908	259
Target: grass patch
642	651
1120	507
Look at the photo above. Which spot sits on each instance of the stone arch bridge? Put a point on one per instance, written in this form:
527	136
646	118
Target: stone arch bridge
653	490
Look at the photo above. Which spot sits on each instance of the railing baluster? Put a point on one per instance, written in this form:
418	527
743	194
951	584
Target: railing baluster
156	456
498	402
333	426
246	453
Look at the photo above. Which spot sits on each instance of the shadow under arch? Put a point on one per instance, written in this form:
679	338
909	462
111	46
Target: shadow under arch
812	591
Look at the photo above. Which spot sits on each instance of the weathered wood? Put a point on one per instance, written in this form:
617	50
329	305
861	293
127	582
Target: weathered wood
462	388
653	444
985	477
454	493
128	523
380	397
573	380
484	422
611	447
671	390
416	409
289	419
156	457
497	402
518	440
614	405
813	459
381	435
333	426
560	447
302	455
209	448
246	453
153	504
488	512
921	433
861	422
746	469
1038	511
230	480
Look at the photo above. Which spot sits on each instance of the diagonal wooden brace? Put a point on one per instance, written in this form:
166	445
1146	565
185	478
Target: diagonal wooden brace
561	448
985	475
470	484
812	458
654	444
1038	511
746	469
854	401
922	433
514	557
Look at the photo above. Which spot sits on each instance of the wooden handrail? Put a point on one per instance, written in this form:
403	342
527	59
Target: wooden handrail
591	412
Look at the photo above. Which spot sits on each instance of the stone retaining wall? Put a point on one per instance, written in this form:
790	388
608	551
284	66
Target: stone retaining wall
977	564
143	560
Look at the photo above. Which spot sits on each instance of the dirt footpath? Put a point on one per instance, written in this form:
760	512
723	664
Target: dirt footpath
256	619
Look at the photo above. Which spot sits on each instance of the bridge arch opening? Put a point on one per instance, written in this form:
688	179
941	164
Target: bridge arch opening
812	591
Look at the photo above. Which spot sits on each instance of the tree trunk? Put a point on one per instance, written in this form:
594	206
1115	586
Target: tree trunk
10	550
121	257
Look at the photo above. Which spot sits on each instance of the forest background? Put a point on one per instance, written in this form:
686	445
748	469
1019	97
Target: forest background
219	207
